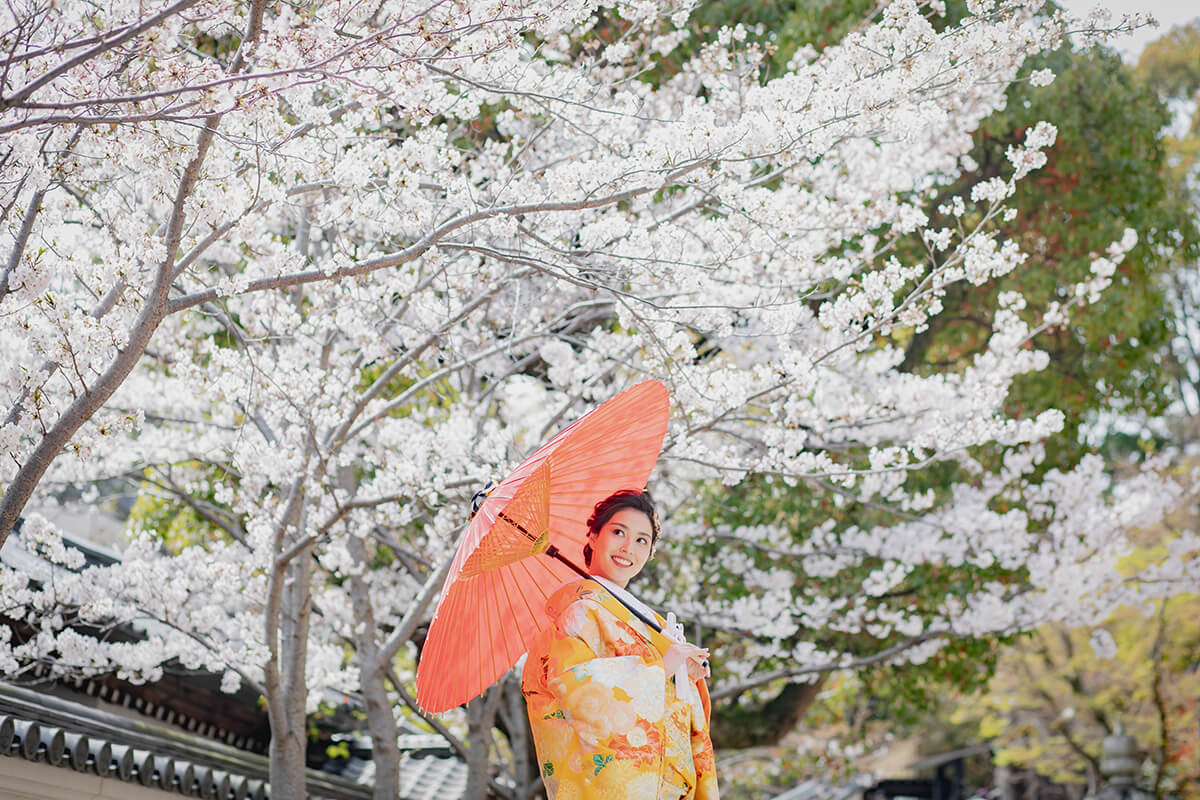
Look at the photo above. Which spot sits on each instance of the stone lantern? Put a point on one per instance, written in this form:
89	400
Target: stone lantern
1120	768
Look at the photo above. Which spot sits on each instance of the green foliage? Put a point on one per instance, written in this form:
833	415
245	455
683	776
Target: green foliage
1053	698
1171	66
178	524
817	25
340	749
220	45
900	692
1172	62
1108	171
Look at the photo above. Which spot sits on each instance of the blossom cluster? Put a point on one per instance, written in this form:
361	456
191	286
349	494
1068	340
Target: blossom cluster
318	272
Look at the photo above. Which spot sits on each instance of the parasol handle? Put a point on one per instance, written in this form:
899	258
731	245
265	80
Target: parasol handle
554	552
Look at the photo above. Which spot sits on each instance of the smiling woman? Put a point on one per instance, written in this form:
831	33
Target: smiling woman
618	548
619	710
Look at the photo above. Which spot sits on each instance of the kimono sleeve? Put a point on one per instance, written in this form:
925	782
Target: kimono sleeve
601	675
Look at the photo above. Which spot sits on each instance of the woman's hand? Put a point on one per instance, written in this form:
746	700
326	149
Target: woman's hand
683	653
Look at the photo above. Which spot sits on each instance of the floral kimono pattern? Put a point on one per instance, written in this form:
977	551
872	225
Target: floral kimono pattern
607	722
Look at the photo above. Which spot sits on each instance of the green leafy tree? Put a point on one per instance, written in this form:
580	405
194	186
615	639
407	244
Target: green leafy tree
1171	66
1058	692
1108	171
1055	697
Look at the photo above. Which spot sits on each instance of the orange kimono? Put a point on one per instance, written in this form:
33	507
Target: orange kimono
607	721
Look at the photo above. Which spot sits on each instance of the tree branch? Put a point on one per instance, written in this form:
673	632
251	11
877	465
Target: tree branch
429	719
412	617
877	658
1160	705
17	493
70	64
212	514
31	213
425	243
339	435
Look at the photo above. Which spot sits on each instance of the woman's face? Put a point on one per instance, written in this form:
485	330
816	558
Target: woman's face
621	548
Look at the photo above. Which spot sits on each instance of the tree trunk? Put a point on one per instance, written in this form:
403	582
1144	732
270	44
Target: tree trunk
918	346
1002	780
481	715
736	727
514	723
287	689
381	721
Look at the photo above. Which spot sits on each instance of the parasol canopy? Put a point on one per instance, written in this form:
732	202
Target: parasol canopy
494	601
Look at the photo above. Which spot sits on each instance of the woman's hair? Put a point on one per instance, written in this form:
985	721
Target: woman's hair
604	510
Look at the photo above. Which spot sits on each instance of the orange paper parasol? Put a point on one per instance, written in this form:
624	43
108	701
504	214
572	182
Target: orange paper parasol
508	563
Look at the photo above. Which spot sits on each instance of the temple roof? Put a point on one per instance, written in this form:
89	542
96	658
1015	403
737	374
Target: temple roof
40	727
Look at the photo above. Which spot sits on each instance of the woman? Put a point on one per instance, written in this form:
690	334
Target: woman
619	711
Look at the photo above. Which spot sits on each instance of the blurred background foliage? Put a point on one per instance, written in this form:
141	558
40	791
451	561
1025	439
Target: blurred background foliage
1124	372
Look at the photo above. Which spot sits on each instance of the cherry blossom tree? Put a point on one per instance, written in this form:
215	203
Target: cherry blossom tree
315	272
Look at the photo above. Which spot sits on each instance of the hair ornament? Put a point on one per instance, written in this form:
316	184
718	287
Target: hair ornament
480	496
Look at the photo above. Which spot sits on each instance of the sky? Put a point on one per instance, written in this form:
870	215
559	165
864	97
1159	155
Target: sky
1168	13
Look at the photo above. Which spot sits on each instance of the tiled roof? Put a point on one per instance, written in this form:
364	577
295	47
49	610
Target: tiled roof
432	778
939	759
818	790
118	693
44	728
423	775
41	727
